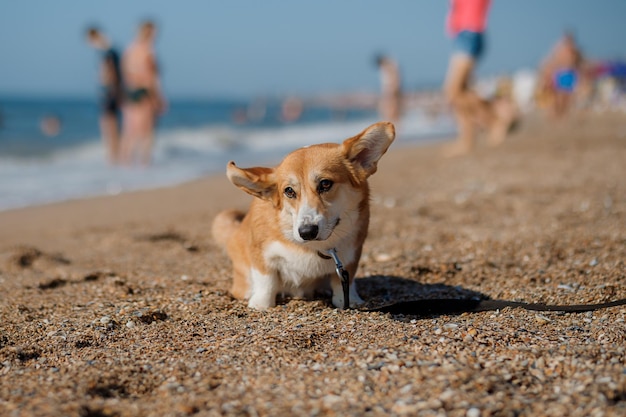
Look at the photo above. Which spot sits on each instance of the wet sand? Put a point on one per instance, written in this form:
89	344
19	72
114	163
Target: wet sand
118	306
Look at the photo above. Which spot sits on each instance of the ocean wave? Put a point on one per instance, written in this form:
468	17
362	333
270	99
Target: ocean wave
180	155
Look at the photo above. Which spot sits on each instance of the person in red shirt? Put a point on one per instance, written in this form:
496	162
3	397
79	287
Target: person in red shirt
466	24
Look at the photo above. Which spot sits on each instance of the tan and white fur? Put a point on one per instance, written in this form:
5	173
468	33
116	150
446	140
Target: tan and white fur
315	200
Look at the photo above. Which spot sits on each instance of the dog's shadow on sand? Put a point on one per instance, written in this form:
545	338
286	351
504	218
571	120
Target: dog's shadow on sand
396	295
404	297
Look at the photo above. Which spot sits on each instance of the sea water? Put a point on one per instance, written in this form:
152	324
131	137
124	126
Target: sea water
193	139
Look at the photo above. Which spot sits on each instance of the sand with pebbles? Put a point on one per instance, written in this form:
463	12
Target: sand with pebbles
118	306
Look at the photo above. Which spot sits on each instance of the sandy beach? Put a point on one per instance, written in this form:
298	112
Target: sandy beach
119	305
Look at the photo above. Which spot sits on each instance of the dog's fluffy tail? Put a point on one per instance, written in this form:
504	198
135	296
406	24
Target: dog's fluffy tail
225	224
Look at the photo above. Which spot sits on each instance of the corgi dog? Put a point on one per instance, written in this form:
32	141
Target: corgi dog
314	201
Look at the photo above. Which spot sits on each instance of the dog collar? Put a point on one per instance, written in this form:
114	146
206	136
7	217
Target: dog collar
321	255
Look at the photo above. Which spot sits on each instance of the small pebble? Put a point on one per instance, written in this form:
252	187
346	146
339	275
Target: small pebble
473	412
382	257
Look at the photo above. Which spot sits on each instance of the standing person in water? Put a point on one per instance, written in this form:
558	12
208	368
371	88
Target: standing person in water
111	93
144	101
390	103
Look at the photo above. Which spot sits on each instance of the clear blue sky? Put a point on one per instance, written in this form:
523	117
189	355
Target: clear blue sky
249	47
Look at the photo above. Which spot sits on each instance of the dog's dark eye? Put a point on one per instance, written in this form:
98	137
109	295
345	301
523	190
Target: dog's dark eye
290	193
324	186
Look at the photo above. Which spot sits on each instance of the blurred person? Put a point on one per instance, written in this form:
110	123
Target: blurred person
143	101
111	92
50	125
466	23
239	116
291	109
560	75
390	104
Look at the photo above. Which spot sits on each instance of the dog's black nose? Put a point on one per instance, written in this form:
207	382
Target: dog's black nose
308	231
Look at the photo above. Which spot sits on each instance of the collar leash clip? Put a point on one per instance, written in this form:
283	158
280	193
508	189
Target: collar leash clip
344	276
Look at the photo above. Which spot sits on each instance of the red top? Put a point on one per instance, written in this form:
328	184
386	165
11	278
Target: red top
467	15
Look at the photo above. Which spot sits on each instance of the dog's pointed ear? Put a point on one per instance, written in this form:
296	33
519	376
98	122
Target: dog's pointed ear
257	181
365	149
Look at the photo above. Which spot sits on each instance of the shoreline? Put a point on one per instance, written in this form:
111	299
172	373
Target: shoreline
10	217
119	306
80	172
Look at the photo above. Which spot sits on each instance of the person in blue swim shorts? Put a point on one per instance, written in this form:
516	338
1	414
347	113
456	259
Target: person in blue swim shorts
559	75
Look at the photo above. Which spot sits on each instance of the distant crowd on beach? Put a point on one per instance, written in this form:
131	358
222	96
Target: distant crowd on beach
565	83
131	99
570	83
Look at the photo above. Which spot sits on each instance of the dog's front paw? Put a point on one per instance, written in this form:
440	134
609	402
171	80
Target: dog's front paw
355	299
261	303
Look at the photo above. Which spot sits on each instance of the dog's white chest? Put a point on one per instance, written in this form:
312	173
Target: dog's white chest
297	267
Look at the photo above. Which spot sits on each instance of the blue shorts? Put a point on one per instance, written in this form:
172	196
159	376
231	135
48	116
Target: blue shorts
469	43
565	80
